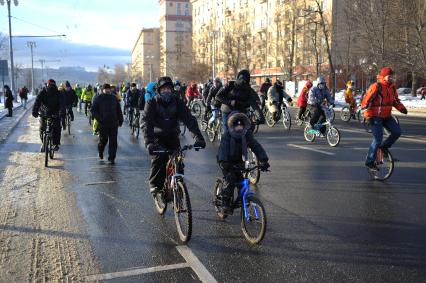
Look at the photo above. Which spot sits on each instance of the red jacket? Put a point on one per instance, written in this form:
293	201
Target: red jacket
192	92
302	100
380	104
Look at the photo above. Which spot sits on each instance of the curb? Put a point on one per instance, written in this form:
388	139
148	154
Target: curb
4	114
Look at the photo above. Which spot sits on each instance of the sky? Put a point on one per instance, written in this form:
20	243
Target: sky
98	32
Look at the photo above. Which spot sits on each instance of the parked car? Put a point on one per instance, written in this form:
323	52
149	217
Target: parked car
403	91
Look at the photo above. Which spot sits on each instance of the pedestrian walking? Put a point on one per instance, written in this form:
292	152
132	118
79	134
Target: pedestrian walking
106	110
8	100
423	92
23	94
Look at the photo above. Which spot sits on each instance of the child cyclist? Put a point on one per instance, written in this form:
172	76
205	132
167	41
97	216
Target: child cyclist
232	150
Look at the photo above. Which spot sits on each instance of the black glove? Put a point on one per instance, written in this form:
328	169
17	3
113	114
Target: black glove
35	114
404	111
224	165
264	165
290	100
260	121
200	143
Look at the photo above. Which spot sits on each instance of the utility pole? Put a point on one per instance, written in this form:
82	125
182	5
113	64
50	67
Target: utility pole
12	67
31	45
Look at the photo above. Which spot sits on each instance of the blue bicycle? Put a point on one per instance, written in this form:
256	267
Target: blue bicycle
253	216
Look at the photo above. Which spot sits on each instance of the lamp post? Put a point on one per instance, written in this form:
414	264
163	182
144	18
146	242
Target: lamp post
31	45
12	67
213	34
336	72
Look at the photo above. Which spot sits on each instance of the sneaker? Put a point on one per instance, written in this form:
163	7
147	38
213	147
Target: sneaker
101	155
56	148
111	160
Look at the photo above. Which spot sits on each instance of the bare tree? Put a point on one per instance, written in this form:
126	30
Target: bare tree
120	74
103	76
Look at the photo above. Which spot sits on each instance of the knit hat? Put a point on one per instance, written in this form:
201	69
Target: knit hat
386	71
106	86
245	75
67	84
51	82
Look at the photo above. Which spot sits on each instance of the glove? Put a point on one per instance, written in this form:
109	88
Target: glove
200	143
404	111
35	114
290	100
264	165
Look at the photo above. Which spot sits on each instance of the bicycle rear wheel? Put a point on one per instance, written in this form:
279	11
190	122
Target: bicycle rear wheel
253	224
286	119
269	120
254	175
345	114
217	199
333	136
69	125
211	132
385	165
46	150
183	212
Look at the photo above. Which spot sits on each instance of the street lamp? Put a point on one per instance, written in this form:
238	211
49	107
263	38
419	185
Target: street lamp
31	45
12	68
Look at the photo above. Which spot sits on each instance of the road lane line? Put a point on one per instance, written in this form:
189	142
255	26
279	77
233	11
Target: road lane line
136	271
311	149
417	139
201	271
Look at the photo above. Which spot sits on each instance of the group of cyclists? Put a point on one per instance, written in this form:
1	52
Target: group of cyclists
165	104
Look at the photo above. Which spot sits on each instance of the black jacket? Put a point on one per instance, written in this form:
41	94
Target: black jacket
48	102
160	121
70	97
244	97
107	111
8	99
225	154
211	98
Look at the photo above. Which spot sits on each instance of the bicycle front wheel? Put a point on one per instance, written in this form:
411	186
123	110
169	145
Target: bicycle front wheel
307	133
196	109
253	220
269	120
286	119
333	136
183	212
345	114
253	175
385	165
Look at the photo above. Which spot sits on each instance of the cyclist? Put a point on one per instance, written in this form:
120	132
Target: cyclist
151	88
78	92
232	149
106	110
132	96
206	90
180	91
161	128
192	92
350	96
48	103
70	100
276	94
316	97
302	100
238	96
211	100
87	96
378	102
264	92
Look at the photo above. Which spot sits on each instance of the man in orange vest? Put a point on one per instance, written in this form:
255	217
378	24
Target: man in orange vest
379	100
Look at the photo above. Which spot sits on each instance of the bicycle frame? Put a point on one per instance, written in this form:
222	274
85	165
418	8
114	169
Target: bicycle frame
243	194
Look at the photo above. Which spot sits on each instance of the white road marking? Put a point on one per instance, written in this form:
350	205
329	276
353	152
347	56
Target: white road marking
136	271
201	271
311	149
100	183
417	139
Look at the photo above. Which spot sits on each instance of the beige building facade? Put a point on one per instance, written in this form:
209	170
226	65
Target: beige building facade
146	56
175	37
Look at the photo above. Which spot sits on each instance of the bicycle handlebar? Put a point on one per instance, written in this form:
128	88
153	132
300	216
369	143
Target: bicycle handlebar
182	149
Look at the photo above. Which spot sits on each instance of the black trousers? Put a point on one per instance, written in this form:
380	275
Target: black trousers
318	116
158	170
108	136
232	178
10	111
301	112
56	131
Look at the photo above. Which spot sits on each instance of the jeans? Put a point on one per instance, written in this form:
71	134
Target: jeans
24	103
225	122
215	116
377	125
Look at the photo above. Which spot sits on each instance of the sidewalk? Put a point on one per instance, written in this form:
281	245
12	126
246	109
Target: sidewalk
16	106
7	124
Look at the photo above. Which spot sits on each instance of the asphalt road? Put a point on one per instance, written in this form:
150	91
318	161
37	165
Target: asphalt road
327	220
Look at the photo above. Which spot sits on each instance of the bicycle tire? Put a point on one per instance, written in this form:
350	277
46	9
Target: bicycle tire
217	193
254	204
160	204
46	151
381	162
286	119
181	197
345	114
308	137
69	125
137	131
196	109
269	120
253	176
333	115
211	132
333	136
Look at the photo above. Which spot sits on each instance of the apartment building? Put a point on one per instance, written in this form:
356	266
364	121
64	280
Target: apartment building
146	56
175	37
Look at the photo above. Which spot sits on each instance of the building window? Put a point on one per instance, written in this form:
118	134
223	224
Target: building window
171	4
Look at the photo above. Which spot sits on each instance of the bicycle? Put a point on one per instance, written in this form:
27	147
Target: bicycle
195	107
252	209
89	112
332	133
47	138
68	122
304	118
252	162
284	113
251	114
215	129
135	128
175	192
384	164
346	114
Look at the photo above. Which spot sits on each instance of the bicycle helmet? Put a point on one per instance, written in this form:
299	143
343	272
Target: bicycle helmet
321	80
164	81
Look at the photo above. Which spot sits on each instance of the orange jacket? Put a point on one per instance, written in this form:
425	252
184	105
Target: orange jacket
380	104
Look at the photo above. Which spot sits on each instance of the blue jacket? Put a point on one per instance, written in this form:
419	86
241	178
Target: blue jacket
316	96
150	91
